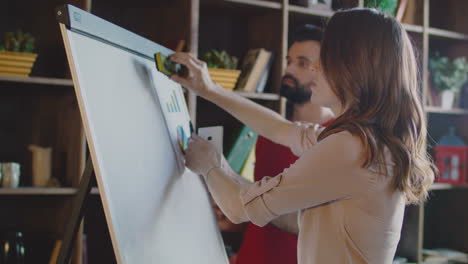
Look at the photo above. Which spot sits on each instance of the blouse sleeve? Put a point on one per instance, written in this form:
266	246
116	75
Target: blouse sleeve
329	171
303	136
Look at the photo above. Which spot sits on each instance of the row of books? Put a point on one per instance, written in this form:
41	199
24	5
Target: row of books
255	70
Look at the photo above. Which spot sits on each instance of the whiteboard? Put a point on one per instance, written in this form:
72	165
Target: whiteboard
155	212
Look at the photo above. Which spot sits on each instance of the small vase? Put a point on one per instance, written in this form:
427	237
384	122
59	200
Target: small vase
41	165
447	98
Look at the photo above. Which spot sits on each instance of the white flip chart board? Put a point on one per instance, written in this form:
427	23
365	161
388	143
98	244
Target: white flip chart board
156	212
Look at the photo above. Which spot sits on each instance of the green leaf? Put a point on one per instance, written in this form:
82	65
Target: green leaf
18	41
386	6
220	59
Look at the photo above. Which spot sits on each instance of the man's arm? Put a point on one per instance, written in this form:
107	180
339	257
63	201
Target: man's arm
287	223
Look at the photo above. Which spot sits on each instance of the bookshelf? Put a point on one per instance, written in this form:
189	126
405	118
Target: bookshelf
45	105
42	110
442	216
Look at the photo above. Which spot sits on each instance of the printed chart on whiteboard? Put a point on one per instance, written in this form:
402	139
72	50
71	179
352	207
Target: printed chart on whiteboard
172	100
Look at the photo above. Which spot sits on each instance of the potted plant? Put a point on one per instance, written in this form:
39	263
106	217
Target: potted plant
16	53
386	6
222	68
448	77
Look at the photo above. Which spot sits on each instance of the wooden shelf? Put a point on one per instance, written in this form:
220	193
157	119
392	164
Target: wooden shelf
261	96
37	80
37	191
311	11
43	191
438	110
413	28
447	34
258	3
447	186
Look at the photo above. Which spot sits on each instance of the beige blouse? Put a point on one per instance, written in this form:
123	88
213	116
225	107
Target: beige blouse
346	214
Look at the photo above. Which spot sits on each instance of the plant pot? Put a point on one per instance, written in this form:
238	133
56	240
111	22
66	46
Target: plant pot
16	63
447	98
225	78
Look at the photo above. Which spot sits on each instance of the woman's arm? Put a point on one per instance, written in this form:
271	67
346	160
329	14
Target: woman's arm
261	119
328	172
228	198
202	158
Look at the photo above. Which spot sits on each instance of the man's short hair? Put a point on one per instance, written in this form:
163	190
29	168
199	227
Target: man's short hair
306	32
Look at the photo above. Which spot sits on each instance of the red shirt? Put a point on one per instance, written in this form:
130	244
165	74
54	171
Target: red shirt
268	244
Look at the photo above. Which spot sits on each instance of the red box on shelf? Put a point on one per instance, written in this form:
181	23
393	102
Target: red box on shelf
451	162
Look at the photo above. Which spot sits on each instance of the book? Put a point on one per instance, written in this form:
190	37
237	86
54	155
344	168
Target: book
247	65
264	77
248	170
241	149
252	68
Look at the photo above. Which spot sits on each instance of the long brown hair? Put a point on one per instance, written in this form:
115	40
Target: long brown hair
370	64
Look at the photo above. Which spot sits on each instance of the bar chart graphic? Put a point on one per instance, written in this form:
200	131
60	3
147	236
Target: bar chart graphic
173	105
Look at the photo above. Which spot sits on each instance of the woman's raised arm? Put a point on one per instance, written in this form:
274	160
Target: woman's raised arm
261	119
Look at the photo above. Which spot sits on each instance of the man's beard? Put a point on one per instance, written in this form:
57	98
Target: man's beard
299	94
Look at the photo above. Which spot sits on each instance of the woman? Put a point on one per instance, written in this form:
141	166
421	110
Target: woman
351	183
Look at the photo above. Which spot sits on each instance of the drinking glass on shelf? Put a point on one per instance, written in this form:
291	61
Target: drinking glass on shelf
11	174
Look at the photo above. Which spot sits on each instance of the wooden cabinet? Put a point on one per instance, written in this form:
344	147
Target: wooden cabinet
42	109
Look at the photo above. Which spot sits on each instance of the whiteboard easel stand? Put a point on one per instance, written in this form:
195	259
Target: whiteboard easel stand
80	204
